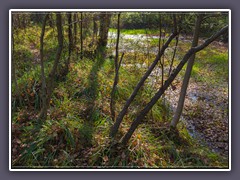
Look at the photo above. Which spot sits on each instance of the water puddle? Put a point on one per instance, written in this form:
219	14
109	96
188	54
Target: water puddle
113	35
193	96
133	42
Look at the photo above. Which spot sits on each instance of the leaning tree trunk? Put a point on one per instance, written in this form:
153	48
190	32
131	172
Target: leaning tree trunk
167	83
43	113
115	127
187	74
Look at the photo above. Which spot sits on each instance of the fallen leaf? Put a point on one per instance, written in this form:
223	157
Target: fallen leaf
105	158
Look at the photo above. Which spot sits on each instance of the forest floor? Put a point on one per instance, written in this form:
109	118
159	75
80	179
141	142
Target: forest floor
76	133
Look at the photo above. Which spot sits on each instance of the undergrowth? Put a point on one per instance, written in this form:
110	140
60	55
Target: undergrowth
76	132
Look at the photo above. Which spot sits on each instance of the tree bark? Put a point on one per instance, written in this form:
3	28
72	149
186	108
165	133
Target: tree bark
58	56
75	29
116	78
43	113
187	75
119	119
95	28
70	43
13	67
175	48
81	35
52	74
103	32
147	108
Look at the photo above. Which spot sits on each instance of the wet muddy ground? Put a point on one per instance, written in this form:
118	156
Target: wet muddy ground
205	114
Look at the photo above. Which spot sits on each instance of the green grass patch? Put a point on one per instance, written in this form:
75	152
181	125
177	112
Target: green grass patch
135	31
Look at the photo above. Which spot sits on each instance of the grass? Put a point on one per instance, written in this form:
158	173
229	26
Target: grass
136	31
209	65
76	132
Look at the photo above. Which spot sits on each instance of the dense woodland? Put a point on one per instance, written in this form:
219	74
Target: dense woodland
119	90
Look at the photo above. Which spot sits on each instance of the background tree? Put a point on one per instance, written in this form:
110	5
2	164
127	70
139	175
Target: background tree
70	43
103	33
75	29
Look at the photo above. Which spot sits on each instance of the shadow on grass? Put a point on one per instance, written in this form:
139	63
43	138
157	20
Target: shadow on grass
91	91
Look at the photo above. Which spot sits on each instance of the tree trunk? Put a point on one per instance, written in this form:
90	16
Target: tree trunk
187	74
43	113
70	43
81	35
119	119
52	74
174	53
103	32
160	33
175	48
147	108
75	29
14	79
112	102
95	28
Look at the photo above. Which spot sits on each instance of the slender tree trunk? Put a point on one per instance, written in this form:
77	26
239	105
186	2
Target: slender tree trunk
187	74
75	29
43	113
50	20
95	28
162	58
81	34
14	69
173	57
70	41
119	119
52	74
112	102
167	83
160	33
175	48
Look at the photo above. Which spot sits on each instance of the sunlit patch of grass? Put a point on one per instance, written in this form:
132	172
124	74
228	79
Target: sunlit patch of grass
135	31
210	67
